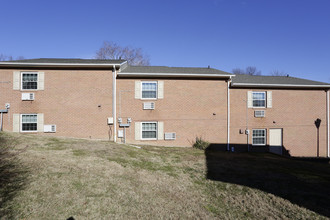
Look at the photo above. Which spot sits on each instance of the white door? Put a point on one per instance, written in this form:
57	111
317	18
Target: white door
275	140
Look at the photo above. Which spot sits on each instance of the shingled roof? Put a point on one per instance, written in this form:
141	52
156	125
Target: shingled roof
66	61
165	71
241	80
238	80
63	63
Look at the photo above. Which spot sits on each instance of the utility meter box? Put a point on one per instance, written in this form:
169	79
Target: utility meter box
120	133
110	121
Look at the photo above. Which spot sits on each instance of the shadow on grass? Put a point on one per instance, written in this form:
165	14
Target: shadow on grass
13	176
305	183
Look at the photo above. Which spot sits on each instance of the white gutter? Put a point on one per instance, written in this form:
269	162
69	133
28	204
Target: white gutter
202	75
228	115
328	128
278	85
114	103
59	64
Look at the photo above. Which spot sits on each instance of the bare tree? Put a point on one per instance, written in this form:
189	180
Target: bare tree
3	57
134	56
250	70
9	58
238	71
278	73
20	58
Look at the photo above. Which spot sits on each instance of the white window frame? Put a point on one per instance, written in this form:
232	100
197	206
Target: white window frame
22	73
142	130
265	137
259	99
21	123
142	90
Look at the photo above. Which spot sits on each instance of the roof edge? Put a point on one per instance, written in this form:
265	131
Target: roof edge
278	85
200	75
24	64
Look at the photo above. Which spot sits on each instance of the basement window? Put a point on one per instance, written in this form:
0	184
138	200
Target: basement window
259	137
149	130
29	122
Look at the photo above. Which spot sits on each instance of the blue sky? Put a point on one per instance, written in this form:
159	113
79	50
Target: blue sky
286	35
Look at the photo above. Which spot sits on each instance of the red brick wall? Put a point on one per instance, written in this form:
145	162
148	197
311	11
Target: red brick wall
186	109
190	108
70	100
293	110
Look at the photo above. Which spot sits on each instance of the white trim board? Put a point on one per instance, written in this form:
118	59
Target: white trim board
60	64
278	85
202	75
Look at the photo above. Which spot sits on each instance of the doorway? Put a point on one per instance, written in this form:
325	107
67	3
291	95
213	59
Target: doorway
276	140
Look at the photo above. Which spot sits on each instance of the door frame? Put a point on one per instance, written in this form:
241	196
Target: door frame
276	146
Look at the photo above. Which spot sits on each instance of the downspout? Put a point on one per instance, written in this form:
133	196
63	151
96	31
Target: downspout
228	115
114	104
328	126
247	124
1	122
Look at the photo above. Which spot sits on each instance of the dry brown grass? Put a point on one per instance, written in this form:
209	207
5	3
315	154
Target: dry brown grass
103	180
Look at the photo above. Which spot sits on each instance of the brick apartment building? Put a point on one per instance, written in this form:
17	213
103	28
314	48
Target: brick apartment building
166	106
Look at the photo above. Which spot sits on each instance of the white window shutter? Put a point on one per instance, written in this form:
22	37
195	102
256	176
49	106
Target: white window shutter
160	135
40	122
137	130
269	99
137	89
249	99
160	89
16	81
16	122
41	80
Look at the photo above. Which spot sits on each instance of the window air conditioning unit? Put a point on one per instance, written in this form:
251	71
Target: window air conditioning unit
27	96
170	136
49	128
110	121
259	114
149	105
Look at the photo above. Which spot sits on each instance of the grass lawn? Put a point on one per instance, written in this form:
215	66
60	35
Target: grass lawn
56	178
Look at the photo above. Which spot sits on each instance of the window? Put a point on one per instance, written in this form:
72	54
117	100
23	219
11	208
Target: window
149	130
259	99
259	137
149	90
29	122
29	81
